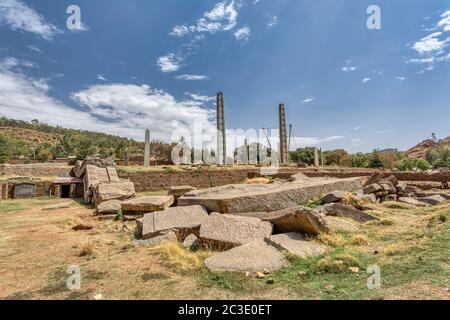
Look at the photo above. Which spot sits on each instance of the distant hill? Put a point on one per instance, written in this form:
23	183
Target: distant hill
421	150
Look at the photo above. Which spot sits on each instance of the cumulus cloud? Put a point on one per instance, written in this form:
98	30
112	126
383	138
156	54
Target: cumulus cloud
365	80
101	77
191	77
272	22
243	34
348	69
308	100
19	16
169	63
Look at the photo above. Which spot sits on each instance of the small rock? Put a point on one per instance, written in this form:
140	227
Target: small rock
191	241
82	227
98	297
302	273
266	271
57	206
270	281
354	269
260	275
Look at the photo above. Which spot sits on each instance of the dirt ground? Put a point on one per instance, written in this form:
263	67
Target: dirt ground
37	246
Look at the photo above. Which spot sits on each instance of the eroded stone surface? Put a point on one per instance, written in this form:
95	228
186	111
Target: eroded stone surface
339	210
433	200
147	204
109	207
296	244
114	191
256	256
166	237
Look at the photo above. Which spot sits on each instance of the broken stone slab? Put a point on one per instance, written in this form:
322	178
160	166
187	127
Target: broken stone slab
182	220
341	224
114	191
415	191
370	207
56	207
298	219
401	187
191	242
296	244
147	204
166	237
392	179
335	196
433	200
398	205
255	256
372	188
178	191
411	201
391	197
387	186
339	210
109	207
377	176
233	199
223	232
299	176
258	215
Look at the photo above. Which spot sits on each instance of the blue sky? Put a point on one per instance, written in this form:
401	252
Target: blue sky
158	64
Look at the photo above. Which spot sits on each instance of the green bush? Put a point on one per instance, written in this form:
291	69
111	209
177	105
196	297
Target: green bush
410	164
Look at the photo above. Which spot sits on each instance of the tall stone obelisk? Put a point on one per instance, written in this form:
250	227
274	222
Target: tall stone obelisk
283	136
147	148
221	153
316	157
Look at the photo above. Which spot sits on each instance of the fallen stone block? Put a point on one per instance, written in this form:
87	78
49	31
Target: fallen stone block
147	204
235	199
296	244
411	201
178	191
297	177
56	207
377	176
392	179
372	188
114	191
298	219
370	207
387	186
391	197
433	200
415	191
341	224
401	188
258	215
398	205
191	242
109	207
335	196
166	237
339	210
255	256
223	232
182	220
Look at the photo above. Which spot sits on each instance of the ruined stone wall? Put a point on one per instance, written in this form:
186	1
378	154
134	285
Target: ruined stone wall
36	170
402	176
42	189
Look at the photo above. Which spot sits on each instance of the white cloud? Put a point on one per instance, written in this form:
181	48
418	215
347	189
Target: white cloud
169	63
191	77
197	97
400	78
19	16
445	22
430	44
34	48
243	34
357	128
112	108
348	69
273	22
365	80
101	77
384	131
308	100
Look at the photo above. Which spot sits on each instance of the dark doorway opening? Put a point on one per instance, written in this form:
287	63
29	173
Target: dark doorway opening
65	191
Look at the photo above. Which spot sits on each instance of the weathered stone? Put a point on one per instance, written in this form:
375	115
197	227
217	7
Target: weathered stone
415	191
401	188
255	256
433	200
223	232
298	219
191	241
387	186
259	215
266	198
398	205
341	224
109	207
377	176
372	188
370	207
335	196
411	201
391	197
339	210
114	191
178	191
56	207
183	220
166	237
296	244
297	177
147	204
393	180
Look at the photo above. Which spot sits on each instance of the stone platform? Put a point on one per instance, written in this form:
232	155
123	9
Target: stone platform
234	199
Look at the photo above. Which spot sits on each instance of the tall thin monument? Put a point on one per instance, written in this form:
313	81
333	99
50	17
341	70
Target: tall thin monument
283	136
221	153
147	149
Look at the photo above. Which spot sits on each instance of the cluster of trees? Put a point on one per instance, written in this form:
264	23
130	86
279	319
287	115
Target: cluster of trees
388	159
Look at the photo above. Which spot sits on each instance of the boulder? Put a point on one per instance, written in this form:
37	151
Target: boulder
298	219
335	196
166	237
178	191
223	232
191	242
411	201
256	256
415	191
182	220
114	191
377	176
147	204
372	188
298	177
341	224
398	205
339	210
370	207
392	179
387	186
433	200
401	188
296	244
109	207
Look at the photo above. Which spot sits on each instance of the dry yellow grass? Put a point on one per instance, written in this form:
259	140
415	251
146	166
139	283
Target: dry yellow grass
360	240
339	263
180	259
86	249
353	201
332	239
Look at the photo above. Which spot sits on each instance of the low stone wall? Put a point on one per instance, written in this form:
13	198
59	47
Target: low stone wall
36	170
42	189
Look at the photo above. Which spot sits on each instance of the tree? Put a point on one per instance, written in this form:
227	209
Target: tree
305	155
5	152
335	157
375	160
433	137
360	160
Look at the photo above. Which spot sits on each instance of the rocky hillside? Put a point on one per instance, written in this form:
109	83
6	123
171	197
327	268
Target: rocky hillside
420	151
